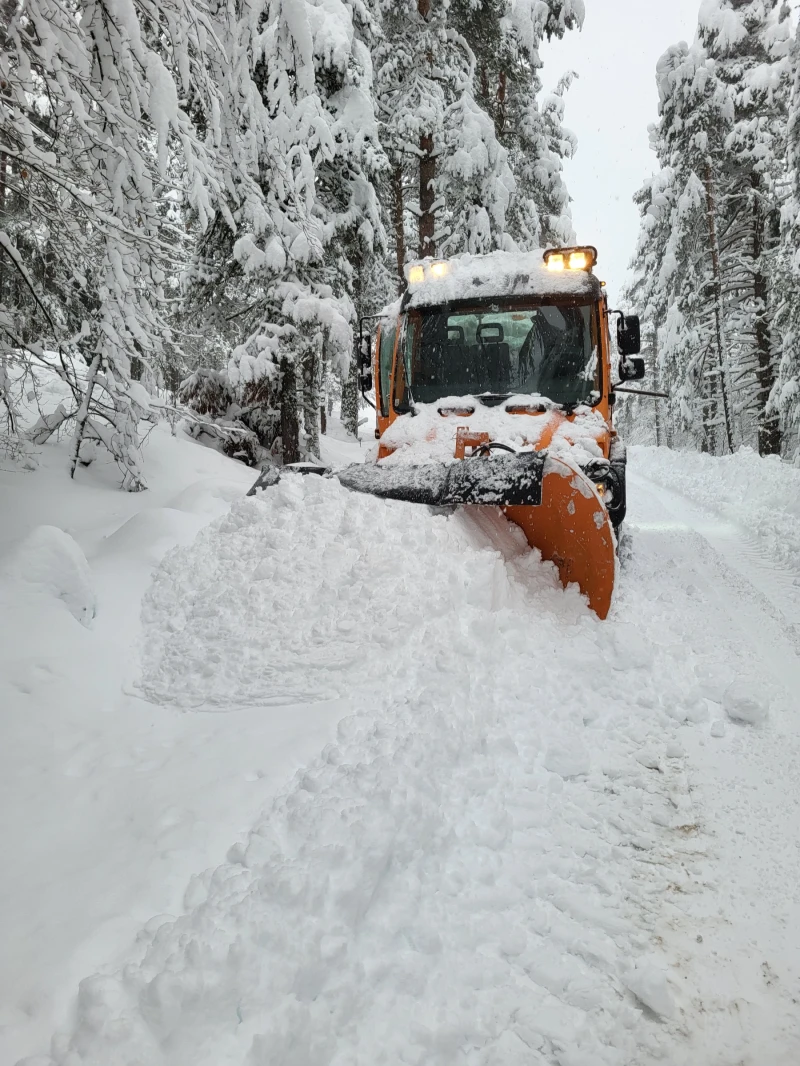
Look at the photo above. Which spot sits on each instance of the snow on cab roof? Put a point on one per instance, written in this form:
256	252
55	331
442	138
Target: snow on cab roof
468	277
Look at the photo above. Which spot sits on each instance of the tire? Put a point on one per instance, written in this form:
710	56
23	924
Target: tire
619	504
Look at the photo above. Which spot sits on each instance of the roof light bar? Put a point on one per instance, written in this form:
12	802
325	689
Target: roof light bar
559	259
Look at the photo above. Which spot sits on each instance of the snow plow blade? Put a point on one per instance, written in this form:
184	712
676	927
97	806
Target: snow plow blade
571	528
552	501
500	482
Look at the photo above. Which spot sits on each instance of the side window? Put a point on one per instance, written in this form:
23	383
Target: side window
386	342
402	368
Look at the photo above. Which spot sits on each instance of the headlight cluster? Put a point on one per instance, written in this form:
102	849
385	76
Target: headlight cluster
427	270
560	259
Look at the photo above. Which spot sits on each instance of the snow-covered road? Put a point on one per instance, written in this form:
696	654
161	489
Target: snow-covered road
536	838
731	932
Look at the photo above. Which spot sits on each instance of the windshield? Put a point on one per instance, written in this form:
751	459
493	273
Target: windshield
546	350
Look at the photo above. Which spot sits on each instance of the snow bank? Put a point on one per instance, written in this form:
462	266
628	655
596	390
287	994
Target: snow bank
760	495
51	563
107	805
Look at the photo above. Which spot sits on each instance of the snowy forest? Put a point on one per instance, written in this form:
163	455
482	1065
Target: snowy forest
203	198
200	200
715	272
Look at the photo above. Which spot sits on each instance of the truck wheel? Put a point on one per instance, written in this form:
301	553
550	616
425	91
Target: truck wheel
618	505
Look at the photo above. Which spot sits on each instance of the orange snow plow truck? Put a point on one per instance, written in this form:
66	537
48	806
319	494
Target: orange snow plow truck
494	384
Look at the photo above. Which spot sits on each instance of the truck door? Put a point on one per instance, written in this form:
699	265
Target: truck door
385	345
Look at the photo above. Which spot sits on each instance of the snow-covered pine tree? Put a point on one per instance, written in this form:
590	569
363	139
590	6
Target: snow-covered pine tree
520	166
785	399
647	295
475	184
282	265
92	105
420	63
695	116
723	106
476	156
530	125
749	43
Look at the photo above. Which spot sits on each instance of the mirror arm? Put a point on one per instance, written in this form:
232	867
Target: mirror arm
639	392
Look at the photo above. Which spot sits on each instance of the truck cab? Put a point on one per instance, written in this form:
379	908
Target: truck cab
506	350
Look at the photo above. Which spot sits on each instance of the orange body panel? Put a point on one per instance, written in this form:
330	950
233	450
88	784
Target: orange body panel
571	529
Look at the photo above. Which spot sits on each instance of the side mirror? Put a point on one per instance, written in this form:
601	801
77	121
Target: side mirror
631	369
364	364
365	379
628	335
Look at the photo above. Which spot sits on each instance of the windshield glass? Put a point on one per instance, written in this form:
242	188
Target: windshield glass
544	350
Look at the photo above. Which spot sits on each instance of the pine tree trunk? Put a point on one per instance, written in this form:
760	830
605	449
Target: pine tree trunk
324	387
2	220
711	217
706	440
290	425
351	386
427	177
427	170
500	121
397	222
350	399
311	397
657	388
769	430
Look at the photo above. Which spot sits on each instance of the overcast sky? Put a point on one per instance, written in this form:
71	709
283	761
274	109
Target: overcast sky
609	108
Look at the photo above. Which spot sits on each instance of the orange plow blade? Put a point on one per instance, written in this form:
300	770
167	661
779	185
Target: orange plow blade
572	529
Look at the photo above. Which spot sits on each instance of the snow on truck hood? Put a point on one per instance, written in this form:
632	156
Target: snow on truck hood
430	434
501	274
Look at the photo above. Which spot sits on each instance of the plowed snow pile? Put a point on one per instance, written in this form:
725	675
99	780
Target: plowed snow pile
460	877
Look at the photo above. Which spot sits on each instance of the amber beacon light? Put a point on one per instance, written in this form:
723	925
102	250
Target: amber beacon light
558	259
426	270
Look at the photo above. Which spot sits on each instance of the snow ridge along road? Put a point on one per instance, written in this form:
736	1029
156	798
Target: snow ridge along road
504	857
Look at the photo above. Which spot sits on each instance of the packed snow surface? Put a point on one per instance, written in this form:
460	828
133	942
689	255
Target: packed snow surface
366	785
